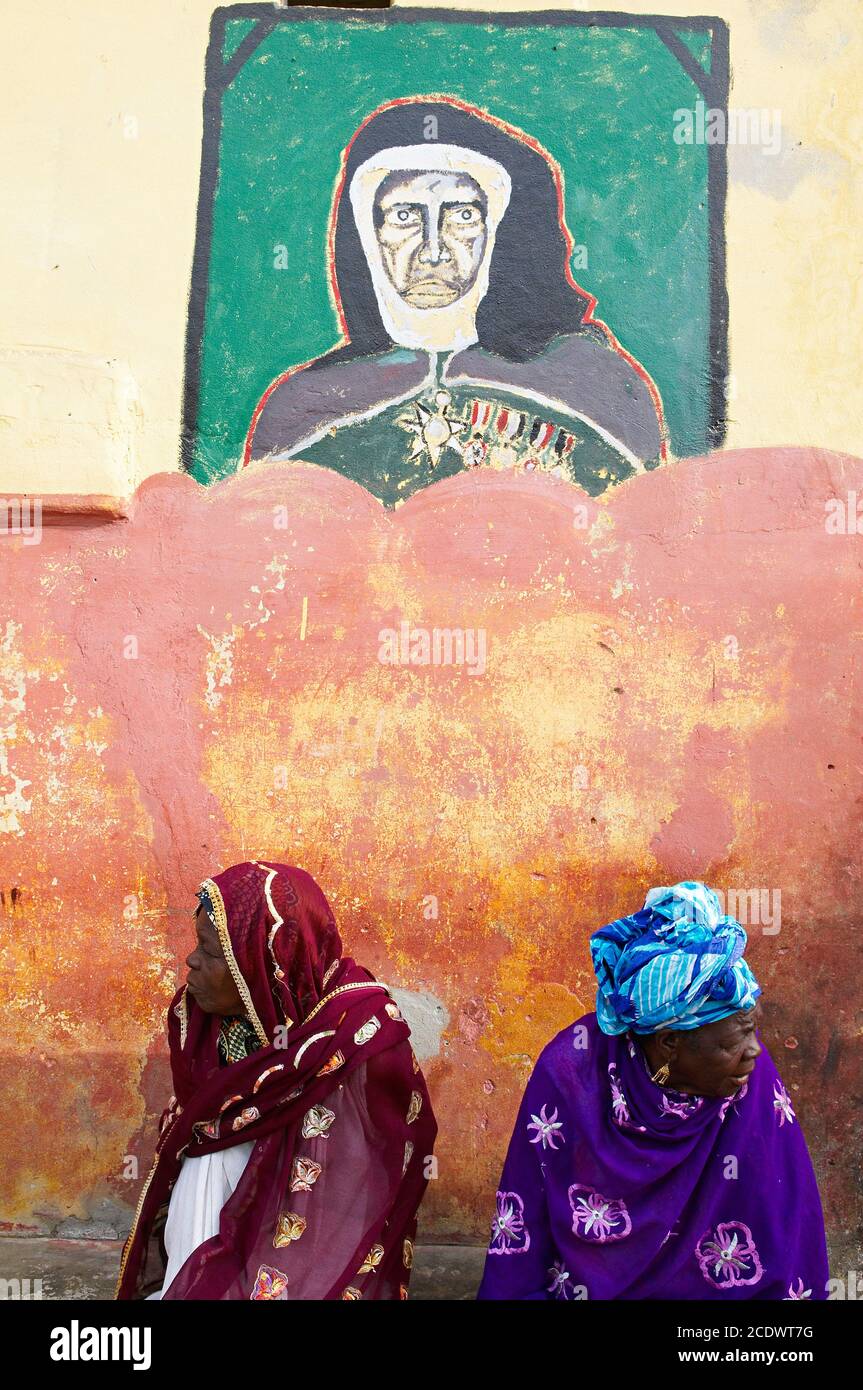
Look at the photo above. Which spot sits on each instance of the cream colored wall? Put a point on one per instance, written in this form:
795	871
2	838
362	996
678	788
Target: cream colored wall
101	111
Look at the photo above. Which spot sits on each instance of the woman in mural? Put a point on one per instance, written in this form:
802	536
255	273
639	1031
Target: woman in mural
656	1154
293	1149
467	343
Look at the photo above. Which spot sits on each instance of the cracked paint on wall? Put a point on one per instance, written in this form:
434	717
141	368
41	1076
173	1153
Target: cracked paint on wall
671	690
82	949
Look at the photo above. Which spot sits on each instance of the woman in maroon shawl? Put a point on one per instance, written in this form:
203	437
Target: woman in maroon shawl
294	1148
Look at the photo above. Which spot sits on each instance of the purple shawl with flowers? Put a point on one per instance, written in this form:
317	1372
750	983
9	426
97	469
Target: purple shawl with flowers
617	1188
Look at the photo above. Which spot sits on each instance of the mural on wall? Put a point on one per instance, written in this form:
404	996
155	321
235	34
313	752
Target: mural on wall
488	720
464	327
392	288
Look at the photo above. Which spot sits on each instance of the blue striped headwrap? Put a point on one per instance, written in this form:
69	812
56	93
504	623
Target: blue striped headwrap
678	963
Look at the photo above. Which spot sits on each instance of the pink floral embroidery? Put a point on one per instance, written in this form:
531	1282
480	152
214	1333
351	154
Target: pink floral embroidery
559	1280
681	1108
732	1100
795	1293
619	1104
596	1218
727	1256
270	1285
782	1104
619	1107
509	1234
547	1127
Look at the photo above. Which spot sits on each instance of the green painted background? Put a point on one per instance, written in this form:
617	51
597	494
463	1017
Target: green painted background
600	100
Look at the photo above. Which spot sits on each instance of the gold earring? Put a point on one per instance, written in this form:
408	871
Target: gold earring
661	1077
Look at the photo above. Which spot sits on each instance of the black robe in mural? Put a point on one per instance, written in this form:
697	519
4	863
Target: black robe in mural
544	388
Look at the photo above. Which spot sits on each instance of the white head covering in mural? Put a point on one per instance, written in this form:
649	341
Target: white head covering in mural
427	218
465	340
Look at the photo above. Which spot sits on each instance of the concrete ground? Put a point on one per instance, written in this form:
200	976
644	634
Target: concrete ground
87	1269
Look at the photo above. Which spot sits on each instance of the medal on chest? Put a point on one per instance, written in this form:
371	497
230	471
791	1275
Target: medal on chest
492	436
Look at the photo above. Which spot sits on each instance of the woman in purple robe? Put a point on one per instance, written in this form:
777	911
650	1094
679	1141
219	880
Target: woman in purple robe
656	1153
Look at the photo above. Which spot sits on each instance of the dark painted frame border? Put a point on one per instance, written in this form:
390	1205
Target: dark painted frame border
219	75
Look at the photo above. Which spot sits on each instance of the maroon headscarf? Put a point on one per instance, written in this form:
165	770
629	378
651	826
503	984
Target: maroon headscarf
334	1100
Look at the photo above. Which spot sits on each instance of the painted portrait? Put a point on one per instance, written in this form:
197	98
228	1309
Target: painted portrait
516	269
467	343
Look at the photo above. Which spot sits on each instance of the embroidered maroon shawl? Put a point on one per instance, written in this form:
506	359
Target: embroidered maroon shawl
334	1100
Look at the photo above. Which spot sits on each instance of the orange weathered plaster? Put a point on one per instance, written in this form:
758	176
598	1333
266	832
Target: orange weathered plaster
615	741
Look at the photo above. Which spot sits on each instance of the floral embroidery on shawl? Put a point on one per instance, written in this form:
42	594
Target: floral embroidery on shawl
732	1100
727	1257
596	1218
559	1280
547	1128
372	1260
619	1104
681	1108
246	1117
782	1104
509	1234
290	1228
367	1031
304	1173
270	1284
317	1121
796	1291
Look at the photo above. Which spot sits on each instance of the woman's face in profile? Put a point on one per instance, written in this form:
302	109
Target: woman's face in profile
209	980
716	1059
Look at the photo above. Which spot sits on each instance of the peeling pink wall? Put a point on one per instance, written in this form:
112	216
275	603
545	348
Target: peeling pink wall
617	739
